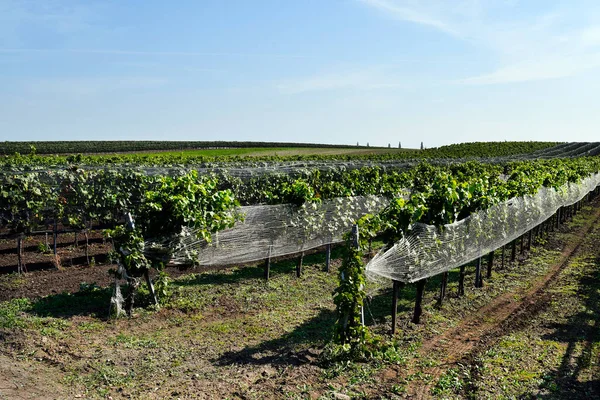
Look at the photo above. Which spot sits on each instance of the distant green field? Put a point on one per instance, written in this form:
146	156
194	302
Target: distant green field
266	151
165	153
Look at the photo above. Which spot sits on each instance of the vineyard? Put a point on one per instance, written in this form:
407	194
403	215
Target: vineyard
393	226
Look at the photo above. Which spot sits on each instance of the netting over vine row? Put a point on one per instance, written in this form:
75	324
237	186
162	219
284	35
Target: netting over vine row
277	230
431	250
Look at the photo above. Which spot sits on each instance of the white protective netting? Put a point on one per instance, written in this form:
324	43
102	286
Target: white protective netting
429	250
277	230
116	300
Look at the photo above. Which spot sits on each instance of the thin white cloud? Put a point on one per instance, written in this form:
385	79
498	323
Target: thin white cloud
528	44
410	14
66	18
590	37
60	17
117	52
534	71
93	86
371	78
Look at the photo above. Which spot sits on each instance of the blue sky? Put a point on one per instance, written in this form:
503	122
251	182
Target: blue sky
330	71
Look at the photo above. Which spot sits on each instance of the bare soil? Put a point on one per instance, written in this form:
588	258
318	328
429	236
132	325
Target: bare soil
229	335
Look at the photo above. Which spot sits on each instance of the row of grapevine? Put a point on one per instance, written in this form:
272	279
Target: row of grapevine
76	197
162	205
28	160
440	197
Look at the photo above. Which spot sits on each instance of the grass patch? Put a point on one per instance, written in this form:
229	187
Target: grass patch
12	313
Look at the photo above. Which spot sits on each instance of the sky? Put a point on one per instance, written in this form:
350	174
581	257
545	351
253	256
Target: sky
319	71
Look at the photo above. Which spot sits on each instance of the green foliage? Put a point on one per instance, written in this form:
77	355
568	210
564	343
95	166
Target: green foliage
23	200
188	200
349	298
86	288
44	248
457	151
439	196
170	204
106	146
161	285
129	249
10	313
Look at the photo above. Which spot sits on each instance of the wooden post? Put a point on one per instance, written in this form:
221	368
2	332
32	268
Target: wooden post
151	287
461	281
529	239
558	212
419	301
328	258
267	271
23	265
395	293
299	265
133	284
87	244
478	277
19	254
490	265
355	236
443	287
503	255
356	245
522	244
513	255
54	234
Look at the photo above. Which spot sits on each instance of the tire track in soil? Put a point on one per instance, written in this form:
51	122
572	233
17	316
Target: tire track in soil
488	324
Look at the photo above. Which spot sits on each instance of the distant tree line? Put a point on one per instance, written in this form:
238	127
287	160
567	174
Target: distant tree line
97	146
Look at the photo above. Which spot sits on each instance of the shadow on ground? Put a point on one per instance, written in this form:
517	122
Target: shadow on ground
581	333
287	349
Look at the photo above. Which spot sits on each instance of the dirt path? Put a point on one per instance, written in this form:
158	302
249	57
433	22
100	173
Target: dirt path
484	327
23	381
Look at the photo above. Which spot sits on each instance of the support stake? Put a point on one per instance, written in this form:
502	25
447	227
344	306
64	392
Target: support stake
299	265
151	287
20	254
54	235
522	244
419	301
443	287
490	265
461	281
513	255
395	292
267	267
478	276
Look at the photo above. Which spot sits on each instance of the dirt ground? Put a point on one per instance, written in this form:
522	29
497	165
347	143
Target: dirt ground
509	312
531	332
